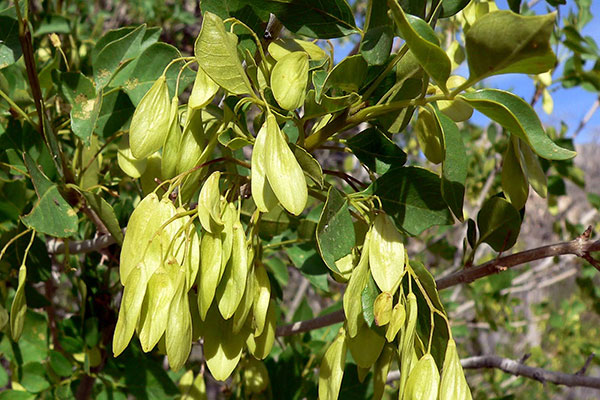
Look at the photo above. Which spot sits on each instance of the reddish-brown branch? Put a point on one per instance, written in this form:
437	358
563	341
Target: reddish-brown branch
580	247
516	368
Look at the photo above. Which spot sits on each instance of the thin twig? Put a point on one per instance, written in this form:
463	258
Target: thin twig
586	365
348	178
302	288
586	118
57	246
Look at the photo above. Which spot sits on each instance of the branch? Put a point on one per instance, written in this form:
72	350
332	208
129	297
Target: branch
57	246
309	325
516	368
519	369
580	247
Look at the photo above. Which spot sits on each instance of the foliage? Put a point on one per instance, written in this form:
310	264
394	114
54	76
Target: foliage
227	164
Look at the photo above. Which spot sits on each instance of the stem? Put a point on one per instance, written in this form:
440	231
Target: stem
18	109
109	141
176	60
466	84
403	50
11	241
343	121
284	243
187	64
28	246
16	169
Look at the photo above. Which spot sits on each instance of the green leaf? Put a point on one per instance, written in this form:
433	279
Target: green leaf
53	23
516	115
216	52
428	283
533	169
377	41
327	105
318	80
502	42
115	114
40	181
278	269
34	378
114	54
452	7
374	149
33	344
471	233
307	260
146	379
10	394
454	166
244	10
4	318
52	215
368	296
139	75
423	43
313	18
413	7
281	47
60	364
10	47
80	92
515	5
309	164
348	75
106	214
499	224
335	230
150	36
430	135
412	196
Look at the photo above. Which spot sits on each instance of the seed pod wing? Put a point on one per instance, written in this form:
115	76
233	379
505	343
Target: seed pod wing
209	204
233	283
18	308
129	311
150	121
332	368
210	270
453	385
262	194
386	254
203	91
283	171
423	381
289	79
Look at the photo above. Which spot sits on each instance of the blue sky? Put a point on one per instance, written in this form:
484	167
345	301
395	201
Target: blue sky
570	105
